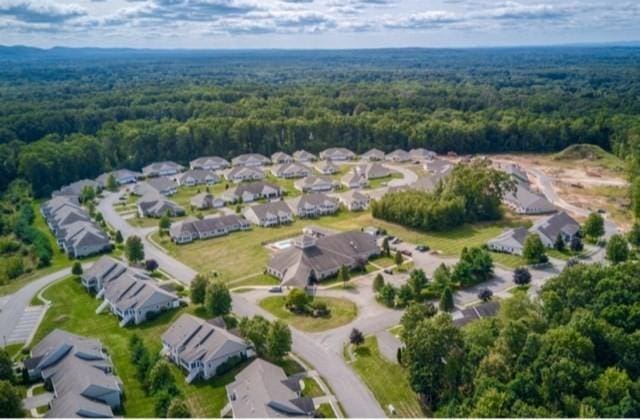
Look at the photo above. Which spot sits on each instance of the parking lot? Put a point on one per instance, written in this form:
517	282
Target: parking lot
27	323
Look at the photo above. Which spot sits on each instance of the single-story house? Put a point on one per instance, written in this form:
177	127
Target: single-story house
244	173
315	184
263	390
253	191
101	272
354	200
121	176
281	157
209	163
156	205
353	179
398	155
205	201
269	214
250	159
210	227
525	201
303	156
326	167
163	185
373	155
314	205
438	167
290	170
313	259
80	374
76	188
510	241
421	154
197	177
373	170
467	315
517	173
337	154
200	347
166	168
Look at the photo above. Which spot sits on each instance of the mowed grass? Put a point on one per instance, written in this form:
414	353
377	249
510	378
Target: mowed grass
388	381
74	310
508	260
343	311
311	388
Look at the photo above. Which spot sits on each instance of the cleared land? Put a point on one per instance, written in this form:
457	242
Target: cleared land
343	311
388	381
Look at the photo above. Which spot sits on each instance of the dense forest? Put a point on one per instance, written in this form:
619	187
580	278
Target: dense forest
69	114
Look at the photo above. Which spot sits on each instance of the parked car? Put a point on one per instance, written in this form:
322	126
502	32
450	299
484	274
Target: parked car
422	248
387	271
406	252
391	237
396	241
275	289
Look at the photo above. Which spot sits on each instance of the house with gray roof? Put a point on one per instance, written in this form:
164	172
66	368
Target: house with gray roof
200	347
81	239
101	272
473	313
253	191
209	163
398	156
274	213
250	159
75	188
290	170
313	259
166	168
244	174
163	185
373	155
312	183
517	173
197	177
314	205
373	170
354	200
80	374
303	156
524	201
51	206
421	153
337	154
205	201
281	157
439	167
121	176
209	227
156	205
510	241
263	390
354	179
326	167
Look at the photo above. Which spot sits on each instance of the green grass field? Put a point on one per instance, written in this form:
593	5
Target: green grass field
311	388
388	381
74	310
343	311
325	411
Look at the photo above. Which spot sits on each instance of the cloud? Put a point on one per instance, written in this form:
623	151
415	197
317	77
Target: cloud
40	11
424	20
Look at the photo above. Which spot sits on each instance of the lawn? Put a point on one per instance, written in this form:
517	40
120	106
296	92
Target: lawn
74	310
311	388
259	280
325	411
288	185
383	262
508	260
380	182
388	381
343	311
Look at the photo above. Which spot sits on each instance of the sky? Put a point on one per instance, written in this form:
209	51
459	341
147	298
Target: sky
309	24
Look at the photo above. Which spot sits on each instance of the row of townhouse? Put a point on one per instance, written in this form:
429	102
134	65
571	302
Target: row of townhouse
130	294
522	199
73	228
192	229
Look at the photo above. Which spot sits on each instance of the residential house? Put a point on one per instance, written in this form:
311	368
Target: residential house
263	390
510	241
337	154
76	188
314	205
281	157
253	191
326	167
269	214
354	200
142	188
290	170
353	179
250	159
166	168
200	347
205	201
315	184
81	239
517	173
209	163
53	205
121	176
210	227
244	174
197	177
524	201
313	259
80	374
373	155
473	313
303	156
101	272
398	155
156	205
163	185
421	154
439	167
373	170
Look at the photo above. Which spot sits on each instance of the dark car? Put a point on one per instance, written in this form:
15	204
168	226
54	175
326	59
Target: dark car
396	241
422	248
387	271
275	289
406	252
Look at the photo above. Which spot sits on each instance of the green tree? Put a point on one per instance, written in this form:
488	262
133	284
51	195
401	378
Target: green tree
112	184
217	299
576	244
198	289
255	330
386	248
356	337
416	313
178	409
161	403
6	367
397	259
446	300
635	197
378	282
417	282
387	295
298	300
160	378
278	340
492	403
617	249
76	269
559	244
134	249
165	222
534	251
521	276
634	235
594	226
10	401
344	275
118	237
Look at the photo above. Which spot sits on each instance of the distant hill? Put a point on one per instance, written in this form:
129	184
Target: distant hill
591	153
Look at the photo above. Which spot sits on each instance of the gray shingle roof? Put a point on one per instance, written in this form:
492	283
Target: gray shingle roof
199	176
278	209
303	155
158	205
250	158
162	184
209	162
523	197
